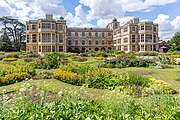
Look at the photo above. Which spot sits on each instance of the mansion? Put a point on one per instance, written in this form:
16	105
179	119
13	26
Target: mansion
50	35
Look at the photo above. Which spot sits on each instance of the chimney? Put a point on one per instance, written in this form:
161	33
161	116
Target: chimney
49	16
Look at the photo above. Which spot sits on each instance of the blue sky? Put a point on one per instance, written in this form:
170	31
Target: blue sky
98	13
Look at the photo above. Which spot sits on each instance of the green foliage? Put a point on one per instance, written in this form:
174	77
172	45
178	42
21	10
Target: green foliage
148	54
93	77
101	54
53	60
73	104
125	61
14	73
13	78
5	43
13	55
174	43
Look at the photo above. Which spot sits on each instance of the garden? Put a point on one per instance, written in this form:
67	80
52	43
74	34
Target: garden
91	85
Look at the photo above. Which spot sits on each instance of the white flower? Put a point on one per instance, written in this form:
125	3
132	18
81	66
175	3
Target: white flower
88	118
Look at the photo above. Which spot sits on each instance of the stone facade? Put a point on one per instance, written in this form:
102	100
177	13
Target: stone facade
136	36
49	35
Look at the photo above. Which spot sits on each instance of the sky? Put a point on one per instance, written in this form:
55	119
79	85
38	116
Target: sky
98	13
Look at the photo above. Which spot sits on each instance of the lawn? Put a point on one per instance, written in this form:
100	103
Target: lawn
54	86
171	76
89	61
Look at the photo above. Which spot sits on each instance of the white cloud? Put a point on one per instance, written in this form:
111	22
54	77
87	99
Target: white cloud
31	9
167	28
146	5
79	20
103	9
104	22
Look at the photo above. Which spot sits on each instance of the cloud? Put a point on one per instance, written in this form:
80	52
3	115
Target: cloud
143	5
106	9
104	22
167	28
103	9
79	19
31	9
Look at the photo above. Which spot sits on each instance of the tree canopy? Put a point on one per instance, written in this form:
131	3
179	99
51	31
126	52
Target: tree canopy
15	30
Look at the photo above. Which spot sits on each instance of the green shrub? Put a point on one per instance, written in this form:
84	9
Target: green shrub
2	53
148	54
53	60
13	55
101	54
73	104
13	78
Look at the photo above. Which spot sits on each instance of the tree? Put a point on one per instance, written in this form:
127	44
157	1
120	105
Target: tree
174	43
15	30
5	43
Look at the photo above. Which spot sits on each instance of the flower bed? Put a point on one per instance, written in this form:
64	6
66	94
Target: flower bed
80	59
28	60
9	59
93	77
14	73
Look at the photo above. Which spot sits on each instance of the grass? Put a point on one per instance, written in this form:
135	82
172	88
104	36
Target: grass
54	86
90	60
171	76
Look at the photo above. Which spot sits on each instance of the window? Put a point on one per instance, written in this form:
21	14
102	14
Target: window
102	42
125	48
53	38
102	34
34	48
53	26
76	34
90	34
69	33
148	37
60	48
69	42
90	42
109	34
53	49
60	38
133	48
96	34
154	37
83	42
148	27
39	37
39	25
76	42
154	29
46	48
60	28
96	42
142	38
34	38
33	27
27	38
83	34
109	42
133	38
133	29
46	37
142	27
39	48
27	27
46	25
125	40
119	40
125	29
